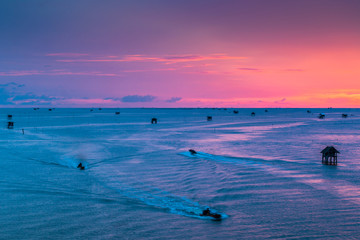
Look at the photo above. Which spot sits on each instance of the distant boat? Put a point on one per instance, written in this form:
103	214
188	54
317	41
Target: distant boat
321	116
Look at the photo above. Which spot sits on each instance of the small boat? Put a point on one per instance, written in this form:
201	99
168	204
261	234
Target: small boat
81	167
208	213
192	151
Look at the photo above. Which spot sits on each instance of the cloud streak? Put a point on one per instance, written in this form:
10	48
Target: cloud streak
67	54
12	94
173	99
138	98
55	72
249	69
163	59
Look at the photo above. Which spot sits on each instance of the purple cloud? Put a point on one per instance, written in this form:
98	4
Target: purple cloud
33	99
281	101
138	98
12	84
7	91
67	54
173	99
30	95
249	69
161	59
55	72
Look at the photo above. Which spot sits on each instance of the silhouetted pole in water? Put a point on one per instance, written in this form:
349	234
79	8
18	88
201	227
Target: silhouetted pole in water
23	131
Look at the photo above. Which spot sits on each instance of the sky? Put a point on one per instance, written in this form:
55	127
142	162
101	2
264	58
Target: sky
198	53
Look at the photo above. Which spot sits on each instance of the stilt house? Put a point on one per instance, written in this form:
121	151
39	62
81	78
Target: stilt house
329	155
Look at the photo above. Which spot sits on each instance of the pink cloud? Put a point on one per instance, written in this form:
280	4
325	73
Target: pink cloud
249	69
164	59
150	70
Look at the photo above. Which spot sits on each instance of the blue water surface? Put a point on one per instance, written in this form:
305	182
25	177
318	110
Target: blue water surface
262	173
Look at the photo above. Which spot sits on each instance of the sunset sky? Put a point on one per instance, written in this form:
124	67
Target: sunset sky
172	53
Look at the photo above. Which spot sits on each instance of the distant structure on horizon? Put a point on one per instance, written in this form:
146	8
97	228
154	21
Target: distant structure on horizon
329	155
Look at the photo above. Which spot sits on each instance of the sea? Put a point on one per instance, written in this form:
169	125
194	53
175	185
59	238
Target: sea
261	172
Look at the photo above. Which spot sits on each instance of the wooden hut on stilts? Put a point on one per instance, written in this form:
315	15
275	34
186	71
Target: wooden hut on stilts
329	155
154	121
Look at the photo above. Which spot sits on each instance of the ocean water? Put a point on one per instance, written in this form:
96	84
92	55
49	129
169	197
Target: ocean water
263	174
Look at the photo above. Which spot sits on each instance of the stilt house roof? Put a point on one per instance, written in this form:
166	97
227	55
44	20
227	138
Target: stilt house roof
329	150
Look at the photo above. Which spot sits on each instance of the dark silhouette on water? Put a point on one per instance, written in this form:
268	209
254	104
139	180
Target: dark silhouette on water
208	213
10	125
209	118
192	151
81	166
154	121
329	155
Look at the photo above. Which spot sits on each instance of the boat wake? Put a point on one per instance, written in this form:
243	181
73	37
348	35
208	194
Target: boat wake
287	169
155	197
